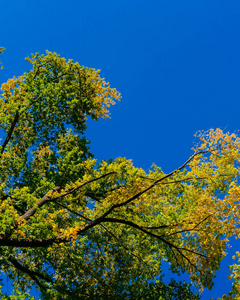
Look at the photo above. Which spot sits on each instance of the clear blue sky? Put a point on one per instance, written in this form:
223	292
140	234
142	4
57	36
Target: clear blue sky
176	63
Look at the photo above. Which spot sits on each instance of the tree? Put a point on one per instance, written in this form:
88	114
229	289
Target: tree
77	228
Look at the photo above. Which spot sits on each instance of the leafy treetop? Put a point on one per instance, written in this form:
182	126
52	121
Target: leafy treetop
75	228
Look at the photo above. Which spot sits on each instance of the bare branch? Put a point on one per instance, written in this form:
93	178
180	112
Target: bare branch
125	247
98	196
129	223
170	245
188	260
190	229
163	226
151	186
202	220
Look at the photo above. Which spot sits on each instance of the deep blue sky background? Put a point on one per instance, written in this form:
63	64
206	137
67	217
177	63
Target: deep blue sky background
176	64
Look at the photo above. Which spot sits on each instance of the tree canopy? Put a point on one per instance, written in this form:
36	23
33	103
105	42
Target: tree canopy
74	227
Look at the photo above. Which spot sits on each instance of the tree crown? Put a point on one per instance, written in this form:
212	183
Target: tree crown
73	226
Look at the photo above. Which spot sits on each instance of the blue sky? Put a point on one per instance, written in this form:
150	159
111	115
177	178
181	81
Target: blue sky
176	64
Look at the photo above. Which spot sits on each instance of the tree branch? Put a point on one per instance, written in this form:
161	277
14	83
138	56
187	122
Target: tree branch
77	214
33	243
9	135
48	198
129	223
151	186
89	220
163	226
39	204
82	185
190	229
126	248
30	273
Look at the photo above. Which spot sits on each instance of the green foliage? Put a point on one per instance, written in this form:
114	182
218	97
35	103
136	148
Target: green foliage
73	227
173	291
1	51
